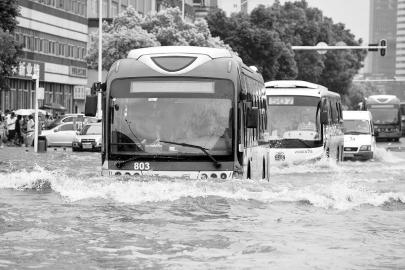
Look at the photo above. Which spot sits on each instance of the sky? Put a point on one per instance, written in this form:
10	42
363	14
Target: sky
353	13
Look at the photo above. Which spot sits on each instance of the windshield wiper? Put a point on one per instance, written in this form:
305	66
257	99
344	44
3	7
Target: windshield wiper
139	141
298	140
216	163
356	132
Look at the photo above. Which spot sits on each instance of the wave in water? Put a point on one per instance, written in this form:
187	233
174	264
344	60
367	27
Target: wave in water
337	194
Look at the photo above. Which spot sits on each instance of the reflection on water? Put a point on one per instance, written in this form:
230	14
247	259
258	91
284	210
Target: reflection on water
60	213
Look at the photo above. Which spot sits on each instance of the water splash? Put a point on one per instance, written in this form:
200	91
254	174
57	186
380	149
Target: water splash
335	193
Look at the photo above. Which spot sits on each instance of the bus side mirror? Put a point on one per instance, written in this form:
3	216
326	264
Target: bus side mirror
324	118
90	107
252	117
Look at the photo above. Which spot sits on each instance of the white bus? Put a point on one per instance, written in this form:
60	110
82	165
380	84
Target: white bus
304	122
182	111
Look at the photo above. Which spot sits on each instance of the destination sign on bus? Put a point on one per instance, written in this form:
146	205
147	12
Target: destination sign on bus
281	100
202	87
382	106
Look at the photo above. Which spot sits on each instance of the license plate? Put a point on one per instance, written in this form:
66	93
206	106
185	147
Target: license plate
87	146
348	155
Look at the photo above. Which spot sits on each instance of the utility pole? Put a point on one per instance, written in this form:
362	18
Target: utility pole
100	57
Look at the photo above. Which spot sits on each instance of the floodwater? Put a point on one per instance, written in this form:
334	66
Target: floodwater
57	212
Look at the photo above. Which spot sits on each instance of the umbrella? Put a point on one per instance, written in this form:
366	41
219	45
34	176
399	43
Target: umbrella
54	106
28	111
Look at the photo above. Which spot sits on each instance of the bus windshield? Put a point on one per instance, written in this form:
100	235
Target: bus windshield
293	117
384	115
142	122
356	127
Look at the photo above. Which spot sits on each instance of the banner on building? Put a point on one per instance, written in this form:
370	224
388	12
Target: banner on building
78	72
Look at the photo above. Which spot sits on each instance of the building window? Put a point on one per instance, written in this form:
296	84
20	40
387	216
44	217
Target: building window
105	8
114	9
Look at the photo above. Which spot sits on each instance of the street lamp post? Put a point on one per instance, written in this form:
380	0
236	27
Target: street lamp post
182	9
100	53
35	77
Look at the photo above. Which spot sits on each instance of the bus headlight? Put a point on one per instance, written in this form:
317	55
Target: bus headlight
365	148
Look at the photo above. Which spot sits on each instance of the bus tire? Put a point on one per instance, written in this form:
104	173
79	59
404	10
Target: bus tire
264	169
338	154
248	173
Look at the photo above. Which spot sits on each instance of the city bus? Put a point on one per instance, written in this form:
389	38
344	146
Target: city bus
386	116
304	122
183	111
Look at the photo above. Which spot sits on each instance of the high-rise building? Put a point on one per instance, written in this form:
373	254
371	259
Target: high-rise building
383	25
400	41
54	38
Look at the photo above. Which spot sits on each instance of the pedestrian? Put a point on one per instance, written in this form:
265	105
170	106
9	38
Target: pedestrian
11	120
3	137
18	135
30	131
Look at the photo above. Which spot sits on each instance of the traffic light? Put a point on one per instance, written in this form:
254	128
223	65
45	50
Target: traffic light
383	43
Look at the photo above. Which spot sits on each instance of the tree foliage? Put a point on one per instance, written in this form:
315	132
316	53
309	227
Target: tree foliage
277	28
256	45
10	51
132	30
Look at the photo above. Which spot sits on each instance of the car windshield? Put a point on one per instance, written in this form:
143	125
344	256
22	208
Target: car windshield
293	117
140	124
356	127
384	115
91	130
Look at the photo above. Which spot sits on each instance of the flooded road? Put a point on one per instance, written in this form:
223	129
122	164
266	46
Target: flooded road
57	212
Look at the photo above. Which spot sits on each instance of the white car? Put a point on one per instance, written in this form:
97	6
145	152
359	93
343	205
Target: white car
359	135
89	139
61	135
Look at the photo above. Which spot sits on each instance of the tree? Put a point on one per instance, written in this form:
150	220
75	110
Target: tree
277	28
256	46
131	30
8	12
10	51
358	91
299	24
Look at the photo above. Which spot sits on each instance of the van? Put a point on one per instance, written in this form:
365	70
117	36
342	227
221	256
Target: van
359	138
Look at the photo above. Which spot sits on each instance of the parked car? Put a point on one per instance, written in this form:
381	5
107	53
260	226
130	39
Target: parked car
61	135
359	135
67	118
89	138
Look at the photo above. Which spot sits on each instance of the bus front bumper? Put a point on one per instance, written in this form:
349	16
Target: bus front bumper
224	175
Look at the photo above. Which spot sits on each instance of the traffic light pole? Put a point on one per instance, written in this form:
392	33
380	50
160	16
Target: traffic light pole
322	47
316	48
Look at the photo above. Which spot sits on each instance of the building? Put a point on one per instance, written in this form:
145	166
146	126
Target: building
400	41
230	6
383	25
110	10
54	38
203	7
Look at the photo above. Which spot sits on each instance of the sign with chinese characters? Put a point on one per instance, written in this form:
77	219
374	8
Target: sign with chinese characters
78	72
27	68
79	92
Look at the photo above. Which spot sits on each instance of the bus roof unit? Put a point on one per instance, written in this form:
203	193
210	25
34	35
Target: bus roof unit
381	99
285	87
213	53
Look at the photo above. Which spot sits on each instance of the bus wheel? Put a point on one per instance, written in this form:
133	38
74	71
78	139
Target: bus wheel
248	175
264	169
338	155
